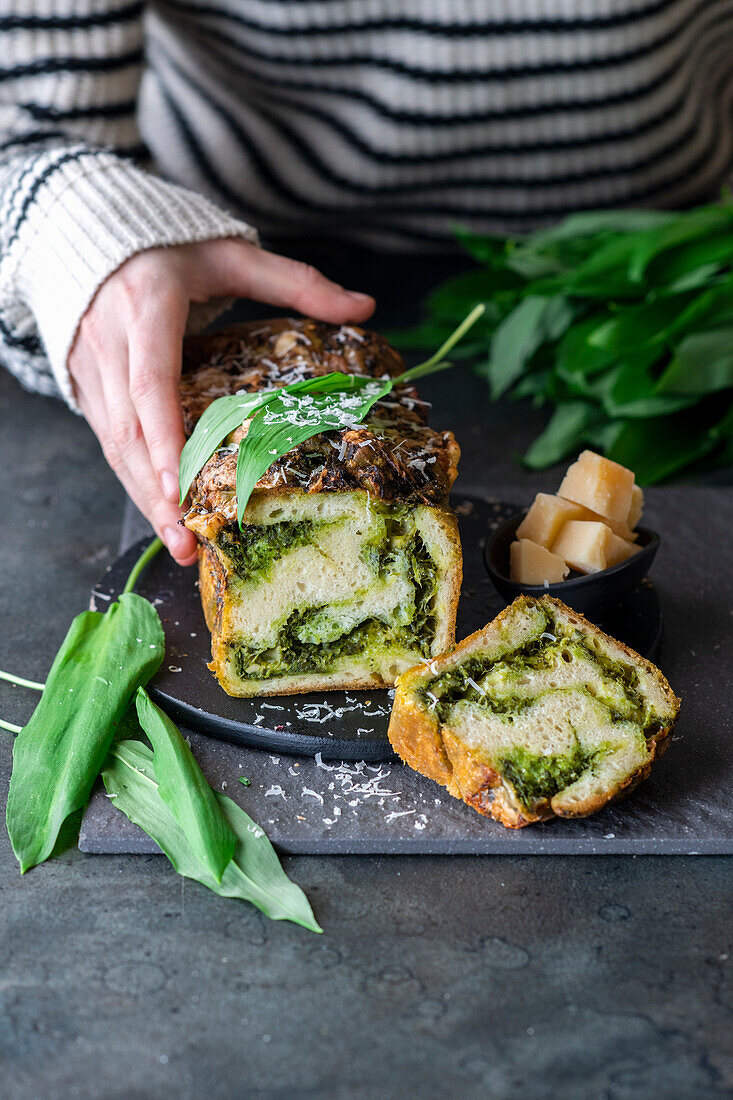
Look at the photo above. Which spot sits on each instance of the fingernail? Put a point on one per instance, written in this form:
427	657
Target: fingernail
175	539
363	298
169	485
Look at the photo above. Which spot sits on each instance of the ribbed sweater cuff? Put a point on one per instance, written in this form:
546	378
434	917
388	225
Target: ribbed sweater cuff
90	215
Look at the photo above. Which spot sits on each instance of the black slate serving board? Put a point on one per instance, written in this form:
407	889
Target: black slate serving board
318	807
313	805
340	725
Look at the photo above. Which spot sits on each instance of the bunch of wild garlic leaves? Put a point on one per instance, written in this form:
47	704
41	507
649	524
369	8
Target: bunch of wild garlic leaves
622	321
95	718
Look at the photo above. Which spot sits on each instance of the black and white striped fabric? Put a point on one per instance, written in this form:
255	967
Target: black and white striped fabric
382	121
396	117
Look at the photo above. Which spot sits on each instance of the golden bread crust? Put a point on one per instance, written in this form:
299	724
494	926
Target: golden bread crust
394	457
433	750
445	635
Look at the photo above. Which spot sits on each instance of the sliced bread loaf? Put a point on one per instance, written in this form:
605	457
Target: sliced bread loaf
539	714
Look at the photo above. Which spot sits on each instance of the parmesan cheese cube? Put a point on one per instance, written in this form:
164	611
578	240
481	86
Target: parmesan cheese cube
583	544
637	506
618	550
546	517
544	520
601	485
622	530
534	564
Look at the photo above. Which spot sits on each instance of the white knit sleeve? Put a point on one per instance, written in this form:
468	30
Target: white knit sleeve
73	204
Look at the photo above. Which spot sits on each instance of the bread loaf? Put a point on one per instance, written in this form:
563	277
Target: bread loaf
348	565
539	714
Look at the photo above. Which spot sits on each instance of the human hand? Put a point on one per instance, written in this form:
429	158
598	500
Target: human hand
126	358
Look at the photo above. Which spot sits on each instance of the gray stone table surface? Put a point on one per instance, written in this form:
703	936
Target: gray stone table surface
586	977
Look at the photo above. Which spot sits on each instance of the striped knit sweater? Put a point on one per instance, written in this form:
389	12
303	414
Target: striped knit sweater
125	126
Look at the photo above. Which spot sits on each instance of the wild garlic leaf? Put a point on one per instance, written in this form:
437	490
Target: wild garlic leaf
223	416
519	336
483	247
591	224
703	364
646	290
289	415
646	323
630	390
258	871
534	384
663	320
605	273
330	403
562	248
254	874
292	418
576	354
226	414
566	431
659	447
185	791
693	263
58	754
693	224
712	307
642	408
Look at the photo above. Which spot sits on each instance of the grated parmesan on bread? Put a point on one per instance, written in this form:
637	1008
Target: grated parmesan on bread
347	568
539	714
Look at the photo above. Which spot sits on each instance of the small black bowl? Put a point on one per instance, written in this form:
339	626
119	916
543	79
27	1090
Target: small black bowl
593	595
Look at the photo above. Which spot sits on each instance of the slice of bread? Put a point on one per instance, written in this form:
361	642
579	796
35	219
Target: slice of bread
324	591
539	714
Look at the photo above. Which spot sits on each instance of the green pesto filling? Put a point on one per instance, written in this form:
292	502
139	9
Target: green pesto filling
424	573
314	640
399	546
255	549
459	684
537	779
392	524
292	657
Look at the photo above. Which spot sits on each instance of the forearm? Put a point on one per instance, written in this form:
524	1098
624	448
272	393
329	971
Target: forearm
73	204
86	291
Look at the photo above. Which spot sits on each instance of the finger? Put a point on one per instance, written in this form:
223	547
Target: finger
243	270
88	386
155	369
92	404
127	453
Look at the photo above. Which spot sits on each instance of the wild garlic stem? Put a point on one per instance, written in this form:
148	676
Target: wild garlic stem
436	358
140	564
10	726
20	681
